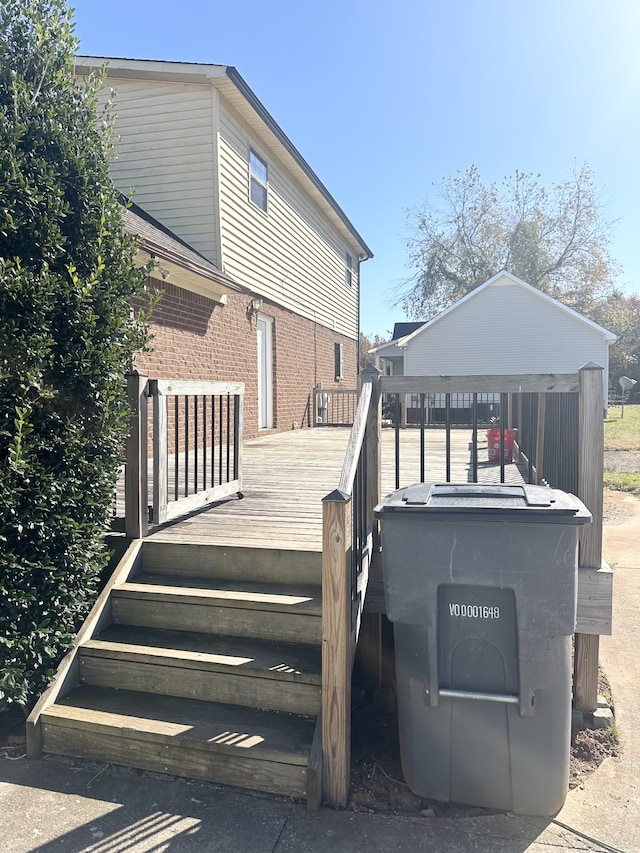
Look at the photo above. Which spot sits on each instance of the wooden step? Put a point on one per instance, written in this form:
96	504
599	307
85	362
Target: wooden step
235	670
229	744
236	609
220	561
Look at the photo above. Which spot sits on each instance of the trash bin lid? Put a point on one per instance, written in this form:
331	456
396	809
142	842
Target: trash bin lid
541	503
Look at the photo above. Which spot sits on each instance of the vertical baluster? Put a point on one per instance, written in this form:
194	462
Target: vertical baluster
447	421
176	447
213	441
236	432
220	439
397	438
186	445
474	437
196	444
503	410
228	438
531	437
422	402
204	442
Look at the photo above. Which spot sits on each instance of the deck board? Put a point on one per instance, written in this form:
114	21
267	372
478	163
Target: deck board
287	475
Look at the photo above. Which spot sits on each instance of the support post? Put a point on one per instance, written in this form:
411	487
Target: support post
160	454
336	648
136	500
590	484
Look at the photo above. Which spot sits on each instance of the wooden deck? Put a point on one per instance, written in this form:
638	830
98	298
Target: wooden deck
286	476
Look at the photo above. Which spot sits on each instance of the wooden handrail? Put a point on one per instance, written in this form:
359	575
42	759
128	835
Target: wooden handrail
196	387
343	559
356	439
504	384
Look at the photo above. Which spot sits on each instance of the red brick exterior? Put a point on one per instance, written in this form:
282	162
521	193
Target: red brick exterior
193	337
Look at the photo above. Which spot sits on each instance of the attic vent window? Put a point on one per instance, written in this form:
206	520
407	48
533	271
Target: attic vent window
349	271
258	180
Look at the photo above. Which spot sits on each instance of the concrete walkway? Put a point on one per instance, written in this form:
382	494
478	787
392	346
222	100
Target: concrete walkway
58	806
64	806
609	805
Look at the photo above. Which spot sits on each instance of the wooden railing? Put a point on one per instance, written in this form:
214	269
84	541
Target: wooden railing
194	445
335	406
348	540
565	410
350	536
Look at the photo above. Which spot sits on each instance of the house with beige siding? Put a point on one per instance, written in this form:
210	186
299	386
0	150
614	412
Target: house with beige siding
278	306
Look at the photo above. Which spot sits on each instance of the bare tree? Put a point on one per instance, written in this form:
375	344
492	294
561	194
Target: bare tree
556	239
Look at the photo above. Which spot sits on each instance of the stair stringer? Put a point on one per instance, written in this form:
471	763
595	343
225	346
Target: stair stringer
67	676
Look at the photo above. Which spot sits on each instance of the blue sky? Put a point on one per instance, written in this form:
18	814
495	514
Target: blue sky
385	99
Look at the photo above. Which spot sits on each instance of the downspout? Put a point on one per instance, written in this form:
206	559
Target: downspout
363	256
358	347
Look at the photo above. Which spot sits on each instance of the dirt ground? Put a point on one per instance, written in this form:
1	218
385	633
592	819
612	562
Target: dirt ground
377	783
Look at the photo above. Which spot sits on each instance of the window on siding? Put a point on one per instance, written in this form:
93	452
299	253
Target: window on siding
258	180
338	355
349	270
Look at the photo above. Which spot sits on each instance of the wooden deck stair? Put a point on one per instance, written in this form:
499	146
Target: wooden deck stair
199	661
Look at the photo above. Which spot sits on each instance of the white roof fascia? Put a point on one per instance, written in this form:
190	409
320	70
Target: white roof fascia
608	336
152	69
385	345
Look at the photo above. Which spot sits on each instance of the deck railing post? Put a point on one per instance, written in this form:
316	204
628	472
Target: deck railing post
336	647
136	514
160	454
590	485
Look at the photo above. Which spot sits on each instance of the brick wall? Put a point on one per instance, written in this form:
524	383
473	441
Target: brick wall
195	338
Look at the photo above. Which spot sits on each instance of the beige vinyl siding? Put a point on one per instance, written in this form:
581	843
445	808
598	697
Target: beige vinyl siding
166	154
291	254
505	329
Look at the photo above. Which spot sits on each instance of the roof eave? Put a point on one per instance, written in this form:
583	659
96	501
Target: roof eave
215	75
608	336
249	95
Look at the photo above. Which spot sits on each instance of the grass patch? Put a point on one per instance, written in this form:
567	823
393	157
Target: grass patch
614	731
622	433
622	482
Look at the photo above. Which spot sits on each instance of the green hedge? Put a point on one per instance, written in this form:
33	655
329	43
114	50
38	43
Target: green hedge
66	340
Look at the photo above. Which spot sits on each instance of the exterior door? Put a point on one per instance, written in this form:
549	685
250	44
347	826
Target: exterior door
264	327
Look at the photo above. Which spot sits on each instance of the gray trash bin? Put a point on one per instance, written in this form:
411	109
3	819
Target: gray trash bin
481	585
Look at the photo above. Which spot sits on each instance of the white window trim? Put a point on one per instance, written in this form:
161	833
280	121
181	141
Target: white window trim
348	261
253	177
338	360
